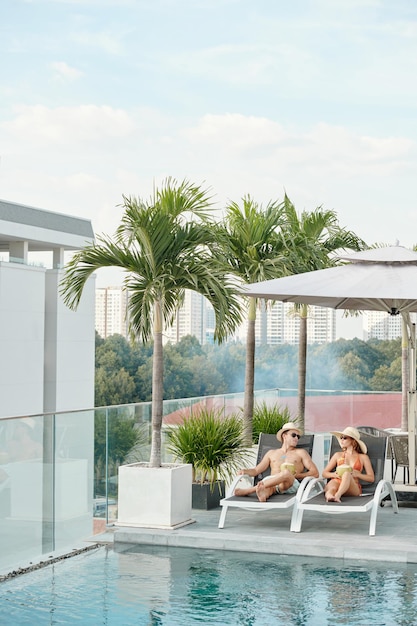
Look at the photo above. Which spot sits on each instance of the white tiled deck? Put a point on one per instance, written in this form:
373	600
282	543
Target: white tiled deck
338	536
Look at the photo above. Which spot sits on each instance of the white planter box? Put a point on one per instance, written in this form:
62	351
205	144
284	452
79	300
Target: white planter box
154	497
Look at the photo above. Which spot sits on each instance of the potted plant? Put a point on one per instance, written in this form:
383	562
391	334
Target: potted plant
268	418
163	246
214	446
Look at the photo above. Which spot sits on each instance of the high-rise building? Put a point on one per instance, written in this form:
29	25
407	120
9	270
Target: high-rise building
279	323
111	311
189	320
381	325
112	315
276	324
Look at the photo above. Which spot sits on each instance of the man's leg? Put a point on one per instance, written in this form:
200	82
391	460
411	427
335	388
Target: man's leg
244	491
267	487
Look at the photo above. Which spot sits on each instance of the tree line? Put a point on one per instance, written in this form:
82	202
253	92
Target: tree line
123	373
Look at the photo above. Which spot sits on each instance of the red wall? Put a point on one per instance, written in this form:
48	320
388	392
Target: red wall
325	413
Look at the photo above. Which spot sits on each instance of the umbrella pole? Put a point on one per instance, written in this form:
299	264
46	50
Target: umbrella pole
412	400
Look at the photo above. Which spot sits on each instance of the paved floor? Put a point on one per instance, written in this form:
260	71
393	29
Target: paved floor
338	536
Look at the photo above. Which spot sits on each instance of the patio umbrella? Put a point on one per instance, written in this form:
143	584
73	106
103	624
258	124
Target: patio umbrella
380	279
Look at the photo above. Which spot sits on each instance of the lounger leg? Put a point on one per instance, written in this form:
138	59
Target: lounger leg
372	522
377	500
296	519
223	516
393	496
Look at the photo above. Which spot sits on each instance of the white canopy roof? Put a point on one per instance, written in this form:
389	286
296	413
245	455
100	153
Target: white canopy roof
381	279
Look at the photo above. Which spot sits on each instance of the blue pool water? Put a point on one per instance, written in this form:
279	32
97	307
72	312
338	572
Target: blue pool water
159	586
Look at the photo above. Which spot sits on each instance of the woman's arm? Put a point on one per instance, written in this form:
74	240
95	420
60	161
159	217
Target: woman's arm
328	471
367	475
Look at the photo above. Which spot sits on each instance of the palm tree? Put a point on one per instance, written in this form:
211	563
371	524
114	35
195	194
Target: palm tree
164	246
254	252
314	238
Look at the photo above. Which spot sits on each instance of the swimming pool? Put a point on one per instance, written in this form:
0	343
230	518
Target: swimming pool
160	586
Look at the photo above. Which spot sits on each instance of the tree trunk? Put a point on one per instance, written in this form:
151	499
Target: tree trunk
249	373
157	388
302	367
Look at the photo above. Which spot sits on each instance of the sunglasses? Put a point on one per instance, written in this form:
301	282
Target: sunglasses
345	437
295	435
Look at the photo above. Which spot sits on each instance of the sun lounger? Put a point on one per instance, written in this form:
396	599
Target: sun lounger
310	496
277	501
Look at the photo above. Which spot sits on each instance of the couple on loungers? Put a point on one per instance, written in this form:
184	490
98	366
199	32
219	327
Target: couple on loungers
290	465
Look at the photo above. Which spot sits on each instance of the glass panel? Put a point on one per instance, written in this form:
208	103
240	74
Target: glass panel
73	477
21	488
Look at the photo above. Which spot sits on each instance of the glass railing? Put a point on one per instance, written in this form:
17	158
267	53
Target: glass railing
46	484
59	472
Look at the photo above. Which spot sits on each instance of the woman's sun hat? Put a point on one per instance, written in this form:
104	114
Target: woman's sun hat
353	433
288	426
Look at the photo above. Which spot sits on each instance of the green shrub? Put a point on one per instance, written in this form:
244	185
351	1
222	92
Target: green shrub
268	419
211	442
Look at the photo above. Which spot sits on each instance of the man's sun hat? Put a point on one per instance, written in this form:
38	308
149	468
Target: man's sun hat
352	432
288	426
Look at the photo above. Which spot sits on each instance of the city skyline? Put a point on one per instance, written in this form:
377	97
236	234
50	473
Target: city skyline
277	325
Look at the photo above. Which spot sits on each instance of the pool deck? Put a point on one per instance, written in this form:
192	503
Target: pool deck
335	536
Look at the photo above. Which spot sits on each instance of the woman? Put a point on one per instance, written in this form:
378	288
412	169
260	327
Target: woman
345	468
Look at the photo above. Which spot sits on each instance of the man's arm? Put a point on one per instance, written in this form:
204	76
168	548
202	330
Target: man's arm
261	467
308	465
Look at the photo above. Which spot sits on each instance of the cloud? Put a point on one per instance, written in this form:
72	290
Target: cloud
82	160
68	125
64	72
247	64
110	42
270	144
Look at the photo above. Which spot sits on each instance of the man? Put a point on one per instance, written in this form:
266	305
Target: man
288	466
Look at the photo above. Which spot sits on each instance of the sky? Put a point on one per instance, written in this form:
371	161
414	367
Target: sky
101	99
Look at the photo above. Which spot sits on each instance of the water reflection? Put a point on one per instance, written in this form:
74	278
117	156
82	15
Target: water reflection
161	586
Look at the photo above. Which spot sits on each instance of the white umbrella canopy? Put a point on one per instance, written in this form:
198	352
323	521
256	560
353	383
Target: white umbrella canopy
379	279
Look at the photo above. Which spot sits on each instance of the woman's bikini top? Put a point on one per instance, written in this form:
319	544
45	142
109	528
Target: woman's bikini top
357	465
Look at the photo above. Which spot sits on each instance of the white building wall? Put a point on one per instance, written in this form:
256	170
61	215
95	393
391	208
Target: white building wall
69	348
22	324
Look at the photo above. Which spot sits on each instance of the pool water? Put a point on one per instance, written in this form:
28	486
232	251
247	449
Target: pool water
160	586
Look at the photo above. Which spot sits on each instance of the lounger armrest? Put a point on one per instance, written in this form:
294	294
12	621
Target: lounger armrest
308	486
231	488
385	488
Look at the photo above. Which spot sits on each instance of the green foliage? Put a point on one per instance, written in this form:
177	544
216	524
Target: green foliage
124	435
268	419
388	376
124	372
211	442
115	387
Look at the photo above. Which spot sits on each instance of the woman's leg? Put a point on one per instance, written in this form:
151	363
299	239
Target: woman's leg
331	488
348	486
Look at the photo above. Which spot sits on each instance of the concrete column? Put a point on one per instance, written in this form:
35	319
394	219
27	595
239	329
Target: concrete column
18	251
58	258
